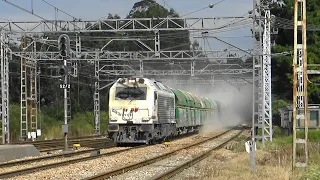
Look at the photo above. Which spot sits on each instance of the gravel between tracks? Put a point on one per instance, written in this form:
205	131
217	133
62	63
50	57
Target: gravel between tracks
55	160
181	157
92	167
44	154
209	168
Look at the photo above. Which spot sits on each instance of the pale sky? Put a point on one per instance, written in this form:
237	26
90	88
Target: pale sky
95	9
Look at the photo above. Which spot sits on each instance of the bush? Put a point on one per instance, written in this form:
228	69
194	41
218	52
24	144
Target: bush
313	135
14	125
81	124
50	122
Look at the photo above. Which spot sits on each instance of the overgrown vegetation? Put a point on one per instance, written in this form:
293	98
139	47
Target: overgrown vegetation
80	125
279	152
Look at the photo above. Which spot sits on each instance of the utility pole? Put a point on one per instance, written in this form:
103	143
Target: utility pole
64	49
300	91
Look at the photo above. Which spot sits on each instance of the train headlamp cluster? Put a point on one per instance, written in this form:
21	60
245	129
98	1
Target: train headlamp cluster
134	80
146	119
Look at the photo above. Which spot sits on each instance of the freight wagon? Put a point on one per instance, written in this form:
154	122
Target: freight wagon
143	110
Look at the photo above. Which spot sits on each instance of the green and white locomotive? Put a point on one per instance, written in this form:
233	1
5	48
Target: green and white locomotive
143	110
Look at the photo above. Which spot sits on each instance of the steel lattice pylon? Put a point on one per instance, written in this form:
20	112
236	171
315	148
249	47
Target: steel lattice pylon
23	98
96	97
300	80
266	78
4	119
257	69
262	107
28	119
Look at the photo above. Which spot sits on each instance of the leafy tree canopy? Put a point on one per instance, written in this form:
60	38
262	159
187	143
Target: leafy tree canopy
282	66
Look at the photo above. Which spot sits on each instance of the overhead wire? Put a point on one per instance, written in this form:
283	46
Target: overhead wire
31	12
74	18
23	9
202	8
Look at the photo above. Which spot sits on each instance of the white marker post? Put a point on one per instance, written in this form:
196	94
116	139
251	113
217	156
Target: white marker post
251	148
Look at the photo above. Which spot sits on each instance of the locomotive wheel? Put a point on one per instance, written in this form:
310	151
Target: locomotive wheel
151	142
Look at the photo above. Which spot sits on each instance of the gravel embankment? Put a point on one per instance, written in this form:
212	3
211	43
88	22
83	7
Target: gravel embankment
103	164
181	157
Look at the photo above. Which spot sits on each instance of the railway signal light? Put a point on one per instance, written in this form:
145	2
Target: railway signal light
64	45
62	71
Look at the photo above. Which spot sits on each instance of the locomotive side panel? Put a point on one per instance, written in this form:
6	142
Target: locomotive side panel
165	109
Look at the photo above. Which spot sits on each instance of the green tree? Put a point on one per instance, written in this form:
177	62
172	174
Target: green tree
282	66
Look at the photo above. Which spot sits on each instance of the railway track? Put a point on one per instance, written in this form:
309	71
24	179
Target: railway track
182	167
50	157
12	174
69	154
133	167
92	143
60	140
97	141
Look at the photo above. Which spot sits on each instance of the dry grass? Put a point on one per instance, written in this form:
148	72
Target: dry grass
227	165
272	162
234	163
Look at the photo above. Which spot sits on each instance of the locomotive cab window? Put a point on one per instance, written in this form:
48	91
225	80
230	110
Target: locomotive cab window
131	93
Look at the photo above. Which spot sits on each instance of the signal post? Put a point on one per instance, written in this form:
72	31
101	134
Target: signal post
64	50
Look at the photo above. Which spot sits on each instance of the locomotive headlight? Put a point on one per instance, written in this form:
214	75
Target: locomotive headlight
132	80
113	119
121	81
145	118
141	81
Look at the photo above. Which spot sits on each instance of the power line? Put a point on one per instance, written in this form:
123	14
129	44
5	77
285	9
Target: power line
23	9
210	6
74	18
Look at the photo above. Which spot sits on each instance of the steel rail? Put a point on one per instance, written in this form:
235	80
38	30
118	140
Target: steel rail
14	163
54	140
101	144
86	143
12	174
125	169
180	168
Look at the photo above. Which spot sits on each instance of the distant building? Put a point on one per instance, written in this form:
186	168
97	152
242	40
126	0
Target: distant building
286	116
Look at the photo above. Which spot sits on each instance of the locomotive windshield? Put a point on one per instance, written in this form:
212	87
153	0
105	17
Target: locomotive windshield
131	93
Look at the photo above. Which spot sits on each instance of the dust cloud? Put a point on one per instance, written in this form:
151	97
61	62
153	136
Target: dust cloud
237	103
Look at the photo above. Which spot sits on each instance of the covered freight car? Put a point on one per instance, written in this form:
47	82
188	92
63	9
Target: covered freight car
193	111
